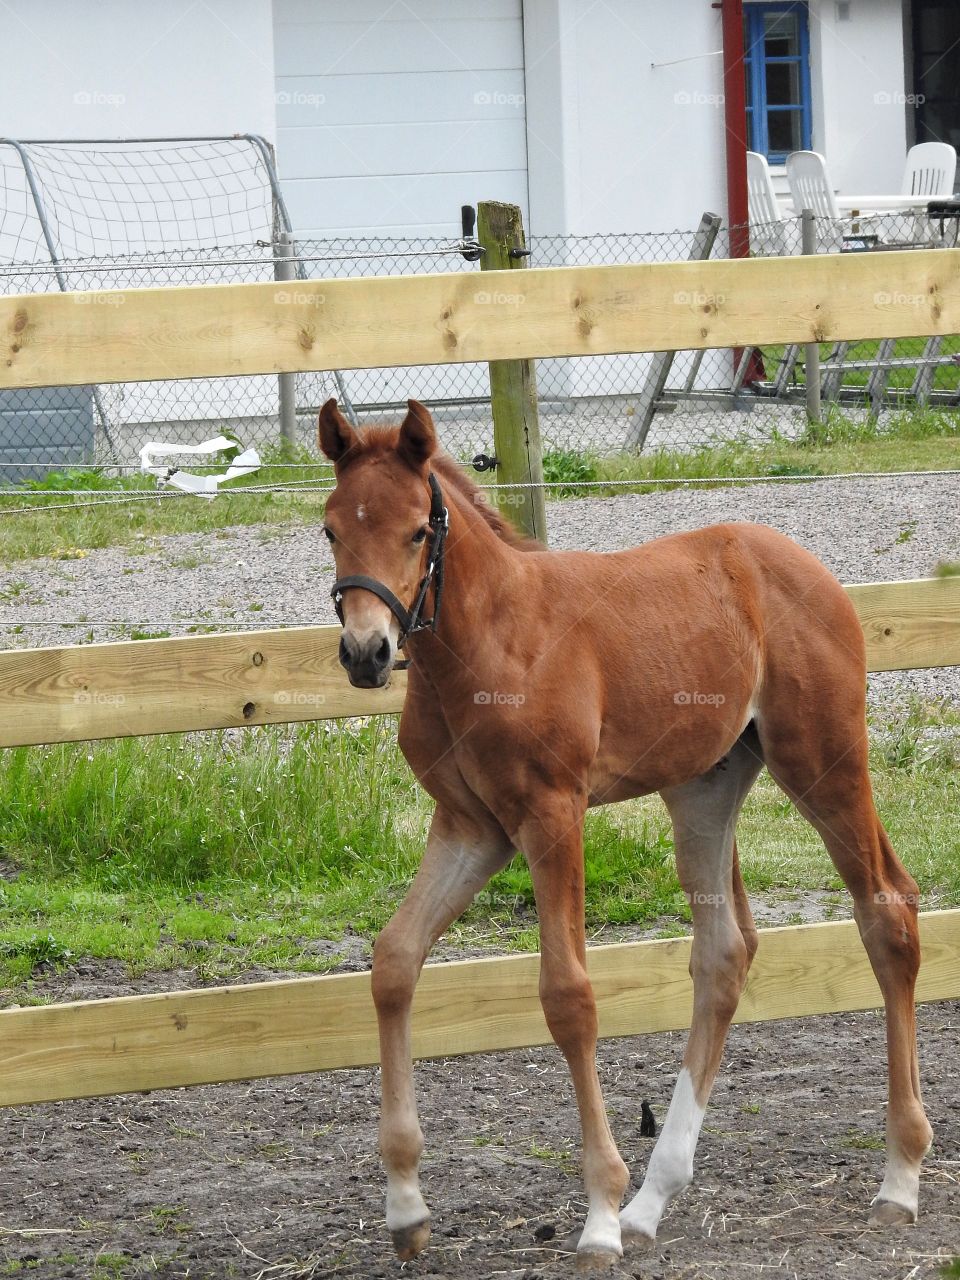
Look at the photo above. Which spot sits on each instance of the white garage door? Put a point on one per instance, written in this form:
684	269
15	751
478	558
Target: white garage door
391	114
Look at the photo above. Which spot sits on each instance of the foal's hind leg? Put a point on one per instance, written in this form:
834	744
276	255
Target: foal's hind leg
704	814
828	781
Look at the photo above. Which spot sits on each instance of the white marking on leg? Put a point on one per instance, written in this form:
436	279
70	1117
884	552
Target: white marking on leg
601	1232
671	1164
405	1205
361	512
901	1181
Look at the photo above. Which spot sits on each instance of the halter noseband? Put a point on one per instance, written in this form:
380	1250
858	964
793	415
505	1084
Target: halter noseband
411	620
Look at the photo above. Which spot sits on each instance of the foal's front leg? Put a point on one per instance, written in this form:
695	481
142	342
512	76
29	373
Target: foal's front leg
552	843
460	858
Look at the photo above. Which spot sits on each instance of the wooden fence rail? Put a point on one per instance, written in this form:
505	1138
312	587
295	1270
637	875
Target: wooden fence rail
57	339
134	687
471	1006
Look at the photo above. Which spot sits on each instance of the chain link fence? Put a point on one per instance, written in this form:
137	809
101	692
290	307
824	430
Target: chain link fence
601	404
686	401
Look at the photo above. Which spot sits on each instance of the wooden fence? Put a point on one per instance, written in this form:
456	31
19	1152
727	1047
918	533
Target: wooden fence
51	339
162	686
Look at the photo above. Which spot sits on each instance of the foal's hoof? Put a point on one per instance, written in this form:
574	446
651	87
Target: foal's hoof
409	1241
592	1261
636	1241
885	1213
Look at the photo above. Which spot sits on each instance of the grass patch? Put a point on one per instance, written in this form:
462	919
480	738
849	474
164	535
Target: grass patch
47	528
304	803
919	440
912	440
567	467
862	1141
287	846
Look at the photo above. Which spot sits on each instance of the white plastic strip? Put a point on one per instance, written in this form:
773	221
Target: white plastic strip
201	486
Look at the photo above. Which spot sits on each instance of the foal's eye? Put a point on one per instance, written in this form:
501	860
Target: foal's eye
419	536
329	534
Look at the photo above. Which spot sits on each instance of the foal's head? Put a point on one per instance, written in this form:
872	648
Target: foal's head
377	521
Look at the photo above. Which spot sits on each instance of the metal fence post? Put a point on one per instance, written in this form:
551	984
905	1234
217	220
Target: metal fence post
811	365
661	362
285	270
513	383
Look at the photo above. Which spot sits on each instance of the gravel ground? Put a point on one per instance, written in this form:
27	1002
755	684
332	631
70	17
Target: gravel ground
864	530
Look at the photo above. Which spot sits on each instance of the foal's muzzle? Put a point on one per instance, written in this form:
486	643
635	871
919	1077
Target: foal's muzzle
367	659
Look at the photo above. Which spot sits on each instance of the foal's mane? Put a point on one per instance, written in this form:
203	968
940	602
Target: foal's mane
380	440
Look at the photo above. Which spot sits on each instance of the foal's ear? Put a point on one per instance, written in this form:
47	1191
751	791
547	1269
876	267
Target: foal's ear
418	439
334	432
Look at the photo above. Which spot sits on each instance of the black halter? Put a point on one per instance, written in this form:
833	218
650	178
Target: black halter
411	620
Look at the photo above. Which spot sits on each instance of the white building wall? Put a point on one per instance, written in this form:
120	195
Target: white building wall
393	116
619	142
129	68
860	112
614	143
625	127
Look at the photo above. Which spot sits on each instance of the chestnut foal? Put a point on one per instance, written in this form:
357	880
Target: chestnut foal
554	681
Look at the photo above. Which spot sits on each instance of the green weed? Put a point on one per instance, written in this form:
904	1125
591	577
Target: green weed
566	467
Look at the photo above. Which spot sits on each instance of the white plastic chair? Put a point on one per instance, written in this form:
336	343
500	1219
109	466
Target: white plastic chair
930	170
767	237
767	240
761	196
810	186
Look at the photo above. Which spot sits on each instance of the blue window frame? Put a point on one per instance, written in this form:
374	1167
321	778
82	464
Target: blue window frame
777	66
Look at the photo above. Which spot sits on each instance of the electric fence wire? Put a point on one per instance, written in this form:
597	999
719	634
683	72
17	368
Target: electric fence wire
323	486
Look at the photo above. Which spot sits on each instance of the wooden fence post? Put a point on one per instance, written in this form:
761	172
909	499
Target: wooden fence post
513	383
811	360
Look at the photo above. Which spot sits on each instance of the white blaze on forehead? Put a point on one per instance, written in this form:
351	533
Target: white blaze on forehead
361	512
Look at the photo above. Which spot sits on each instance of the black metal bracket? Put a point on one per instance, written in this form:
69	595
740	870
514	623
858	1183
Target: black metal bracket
470	248
484	462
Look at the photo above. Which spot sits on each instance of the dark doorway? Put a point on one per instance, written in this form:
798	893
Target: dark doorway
936	70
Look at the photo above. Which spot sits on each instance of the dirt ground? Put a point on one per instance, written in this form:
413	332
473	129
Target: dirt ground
279	1179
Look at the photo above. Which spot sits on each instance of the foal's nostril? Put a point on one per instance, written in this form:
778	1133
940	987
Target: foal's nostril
382	656
344	653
